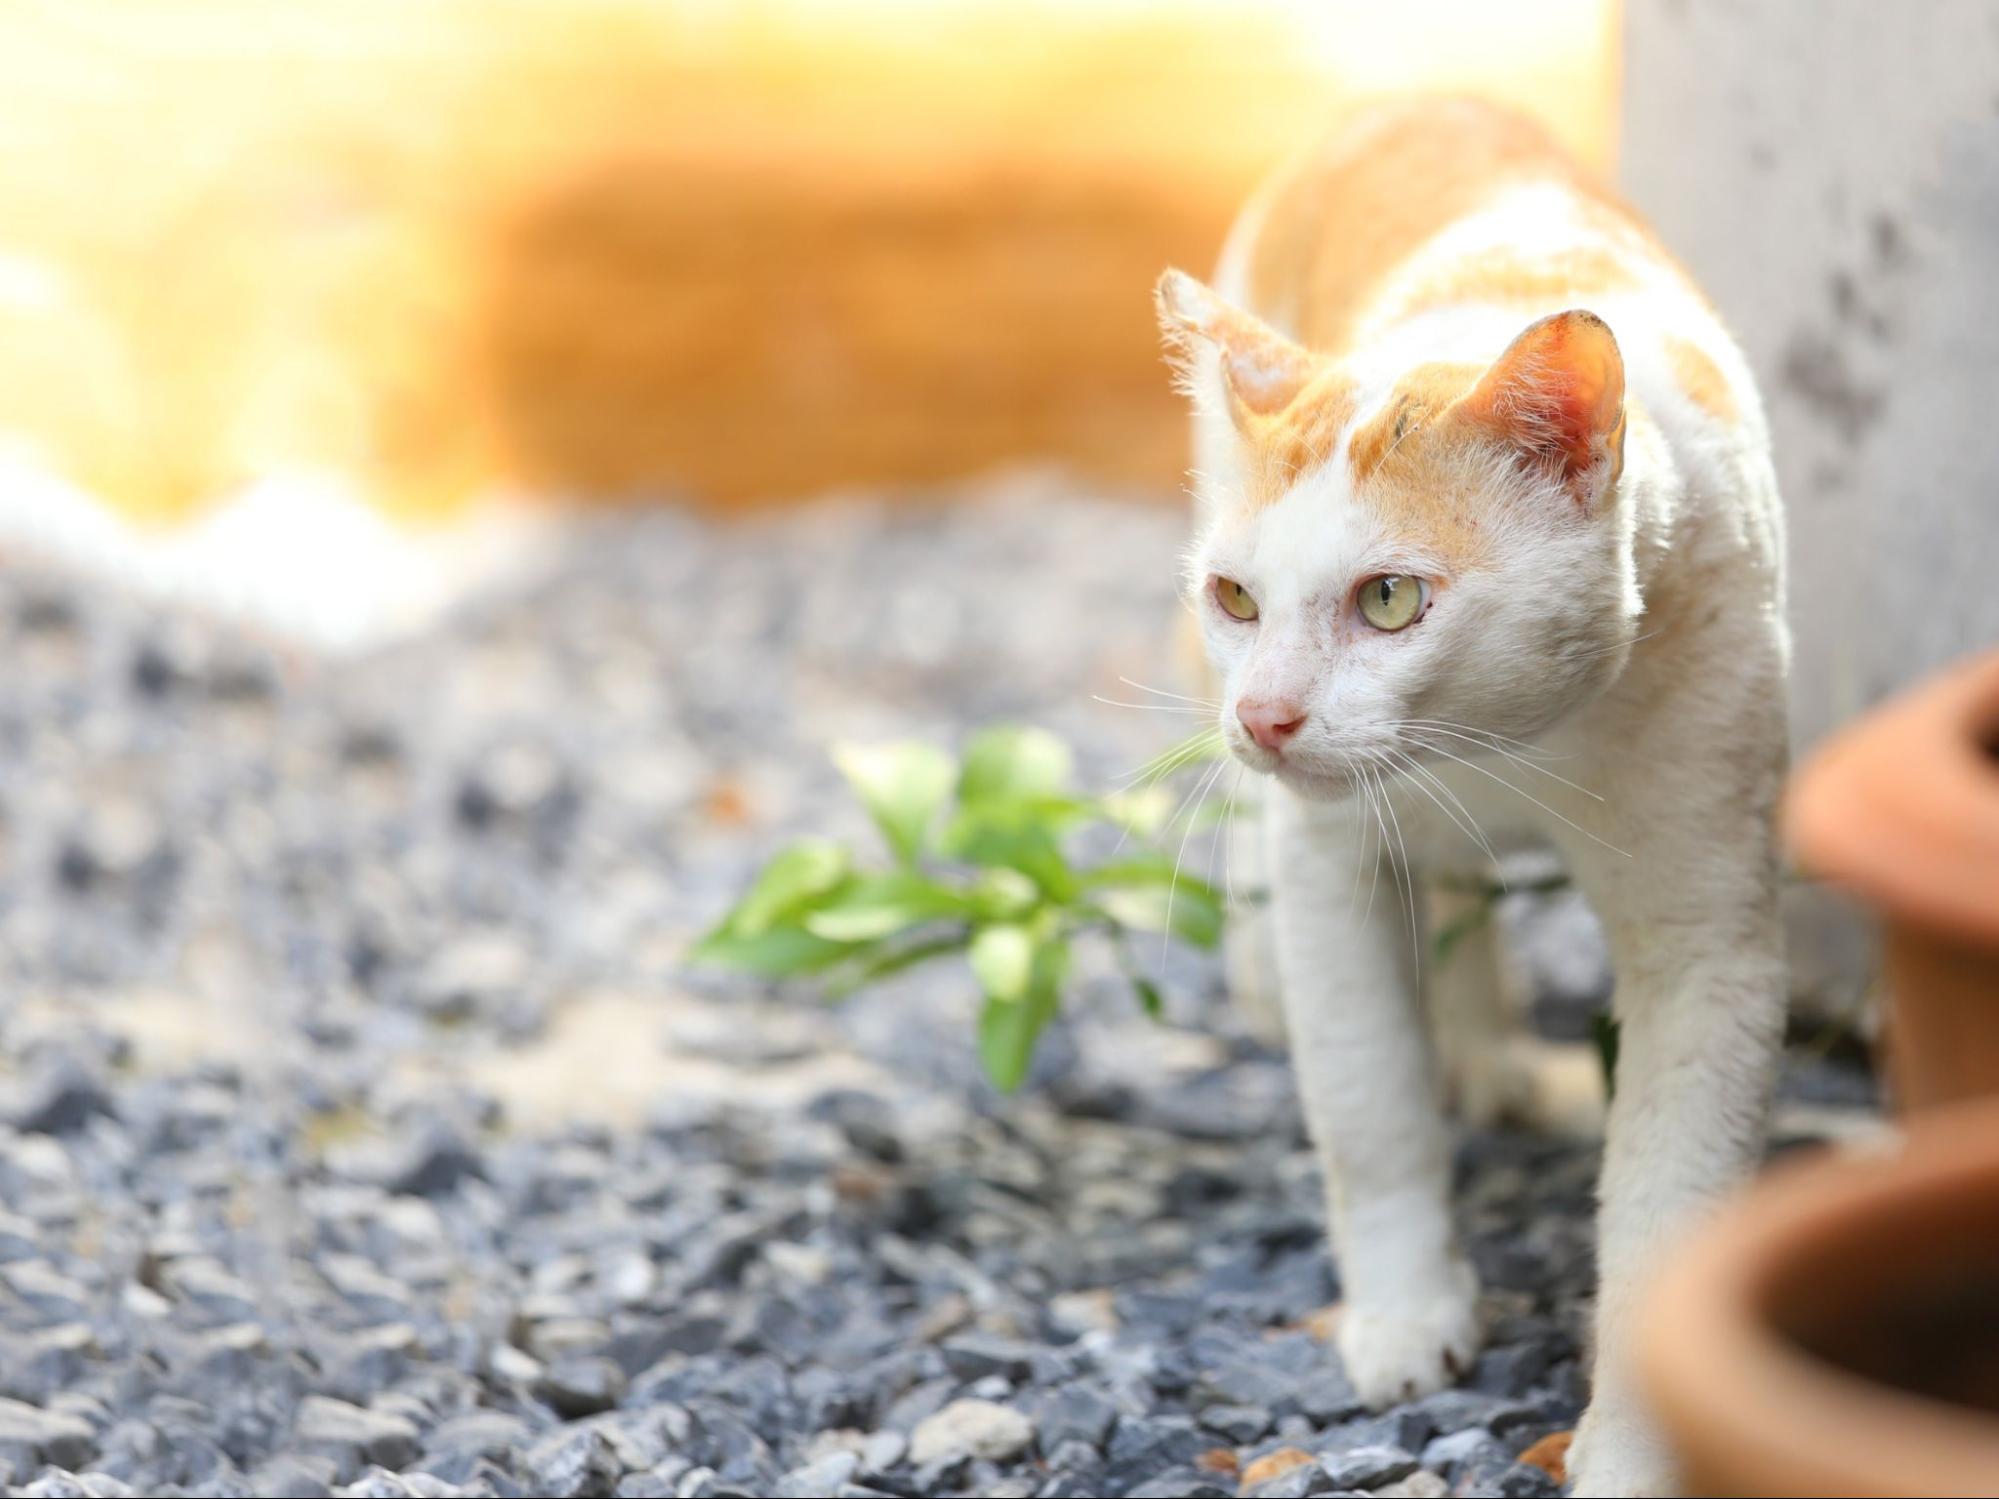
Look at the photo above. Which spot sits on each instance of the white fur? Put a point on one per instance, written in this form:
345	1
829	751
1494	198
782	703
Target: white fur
1642	643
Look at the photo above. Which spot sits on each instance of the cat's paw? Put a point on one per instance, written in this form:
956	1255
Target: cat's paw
1409	1349
1619	1456
1553	1089
1489	1087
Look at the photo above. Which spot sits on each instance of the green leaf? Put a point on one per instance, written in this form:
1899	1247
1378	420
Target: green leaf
904	786
1139	869
1008	1029
880	961
1013	763
1003	893
797	878
1191	910
1013	839
1002	960
1607	1033
781	952
1146	892
881	905
1143	810
1149	998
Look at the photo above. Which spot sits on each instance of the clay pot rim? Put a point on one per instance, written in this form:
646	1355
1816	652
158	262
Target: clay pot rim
1903	808
1726	1381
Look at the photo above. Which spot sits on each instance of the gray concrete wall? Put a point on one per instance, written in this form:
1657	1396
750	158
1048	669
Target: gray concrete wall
1830	171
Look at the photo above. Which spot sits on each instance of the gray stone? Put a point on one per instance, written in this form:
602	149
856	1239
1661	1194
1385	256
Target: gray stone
1513	1371
378	1483
53	1483
882	1451
571	1461
456	1447
1182	1483
51	1436
1075	1413
581	1385
1525	1481
292	1476
823	1476
1294	1483
970	1429
1366	1467
1418	1485
352	1435
977	1355
1455	1452
1407	1427
1241	1424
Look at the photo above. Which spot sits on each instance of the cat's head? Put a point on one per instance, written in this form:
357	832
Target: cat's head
1395	557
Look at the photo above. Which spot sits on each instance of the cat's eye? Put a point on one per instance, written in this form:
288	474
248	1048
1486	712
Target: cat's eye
1392	601
1234	599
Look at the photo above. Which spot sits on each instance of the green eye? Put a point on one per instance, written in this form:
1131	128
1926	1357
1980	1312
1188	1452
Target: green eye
1392	602
1231	596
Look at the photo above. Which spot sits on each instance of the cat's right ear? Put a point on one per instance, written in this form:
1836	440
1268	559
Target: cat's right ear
1254	371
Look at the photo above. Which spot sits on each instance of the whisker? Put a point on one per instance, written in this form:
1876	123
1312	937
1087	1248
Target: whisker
1182	808
1408	883
1228	868
1516	759
1204	785
1517	791
1381	851
1468	825
1215	842
1189	709
1611	650
1359	837
1205	702
1531	751
1172	758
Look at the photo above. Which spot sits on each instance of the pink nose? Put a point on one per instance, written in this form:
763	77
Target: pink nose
1270	723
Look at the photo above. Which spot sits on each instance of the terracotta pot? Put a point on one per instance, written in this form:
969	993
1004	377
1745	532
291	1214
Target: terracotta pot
1837	1332
1903	810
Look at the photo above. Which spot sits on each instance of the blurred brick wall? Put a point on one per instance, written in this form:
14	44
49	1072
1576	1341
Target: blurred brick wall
620	247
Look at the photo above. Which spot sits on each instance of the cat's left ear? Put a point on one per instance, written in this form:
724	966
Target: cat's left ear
1557	395
1259	371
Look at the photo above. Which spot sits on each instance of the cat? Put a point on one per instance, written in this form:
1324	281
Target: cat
1490	548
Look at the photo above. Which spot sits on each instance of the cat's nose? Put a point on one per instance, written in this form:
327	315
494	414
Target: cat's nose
1270	721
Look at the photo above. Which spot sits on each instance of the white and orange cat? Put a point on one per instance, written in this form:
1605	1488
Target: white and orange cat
1491	549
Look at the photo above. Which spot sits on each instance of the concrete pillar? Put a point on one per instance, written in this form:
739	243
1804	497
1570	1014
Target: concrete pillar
1830	172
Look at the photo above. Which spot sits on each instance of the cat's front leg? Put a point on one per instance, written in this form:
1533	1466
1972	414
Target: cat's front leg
1365	1074
1698	948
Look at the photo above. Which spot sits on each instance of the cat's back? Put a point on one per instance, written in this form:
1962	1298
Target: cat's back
1319	244
1436	229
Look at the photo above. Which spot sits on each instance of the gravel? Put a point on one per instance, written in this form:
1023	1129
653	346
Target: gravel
361	1131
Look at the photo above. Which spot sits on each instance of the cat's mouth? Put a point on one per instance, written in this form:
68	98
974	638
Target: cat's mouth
1313	782
1307	774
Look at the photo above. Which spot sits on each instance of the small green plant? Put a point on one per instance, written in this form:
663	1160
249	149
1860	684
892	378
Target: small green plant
979	862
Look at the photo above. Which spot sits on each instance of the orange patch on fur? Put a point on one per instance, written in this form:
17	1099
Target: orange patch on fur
1574	276
1701	379
1341	222
1407	460
1419	396
1301	437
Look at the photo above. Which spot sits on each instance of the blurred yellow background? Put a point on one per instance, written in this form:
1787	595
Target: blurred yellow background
733	251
